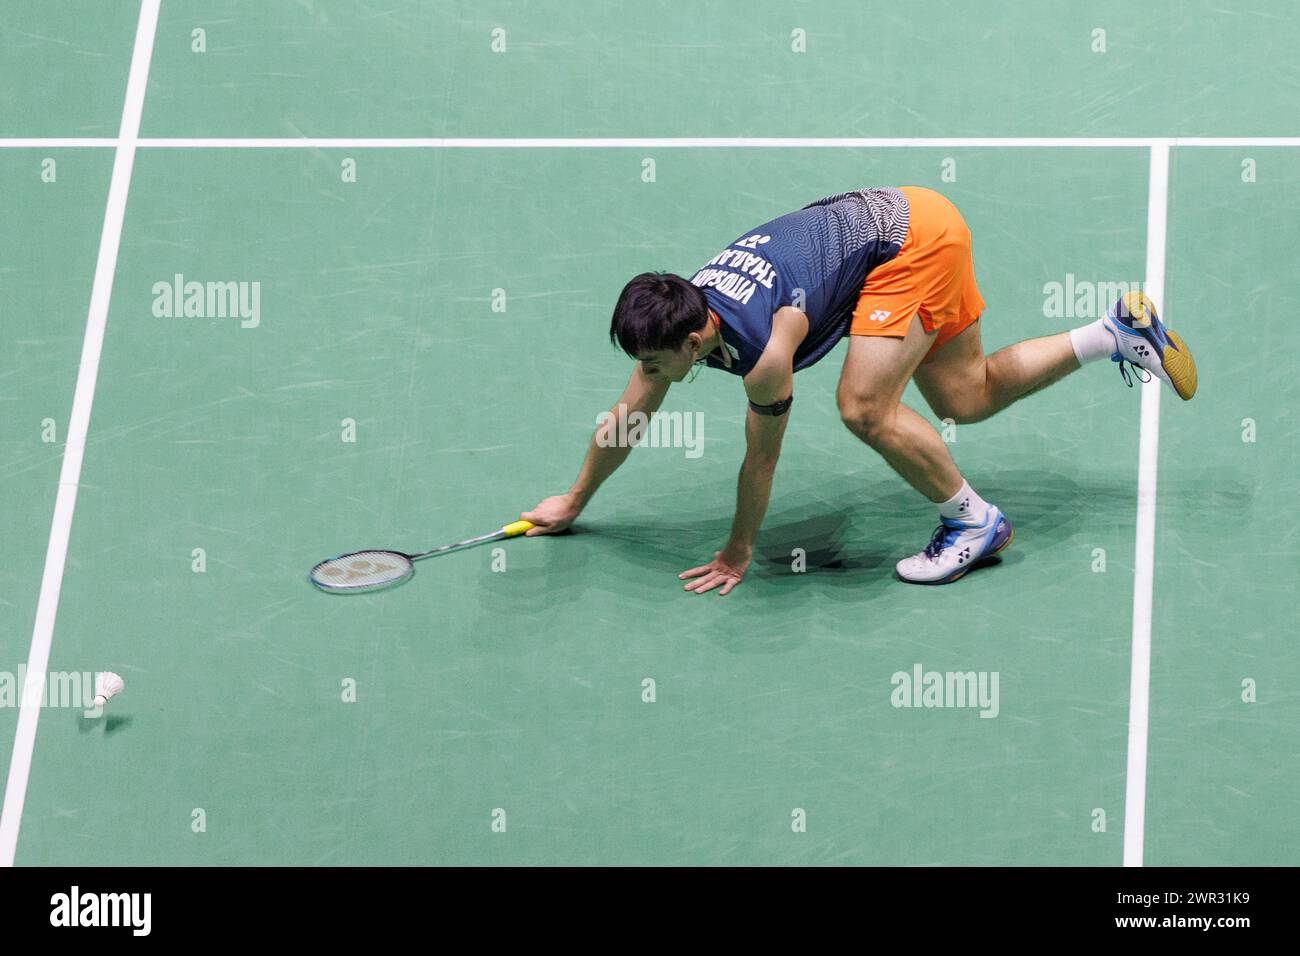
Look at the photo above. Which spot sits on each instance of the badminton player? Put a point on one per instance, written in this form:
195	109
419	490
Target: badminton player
891	269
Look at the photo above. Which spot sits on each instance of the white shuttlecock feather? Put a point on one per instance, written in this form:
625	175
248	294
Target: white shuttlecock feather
107	684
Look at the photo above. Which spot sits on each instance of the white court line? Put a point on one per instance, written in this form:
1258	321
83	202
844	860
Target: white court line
65	503
1135	788
57	143
709	142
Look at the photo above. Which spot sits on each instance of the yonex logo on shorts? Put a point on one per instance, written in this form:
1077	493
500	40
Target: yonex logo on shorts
879	315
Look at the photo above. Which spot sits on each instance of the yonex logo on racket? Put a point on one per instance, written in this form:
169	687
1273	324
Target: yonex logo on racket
358	569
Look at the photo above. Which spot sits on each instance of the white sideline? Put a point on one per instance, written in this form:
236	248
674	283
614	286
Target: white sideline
20	761
1135	786
706	142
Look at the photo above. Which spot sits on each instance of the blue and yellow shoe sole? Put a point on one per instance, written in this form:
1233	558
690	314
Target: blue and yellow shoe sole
1139	313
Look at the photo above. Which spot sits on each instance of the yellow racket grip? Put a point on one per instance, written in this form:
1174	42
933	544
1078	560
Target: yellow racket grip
516	528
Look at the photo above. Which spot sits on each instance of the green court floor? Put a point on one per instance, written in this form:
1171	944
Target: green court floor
485	692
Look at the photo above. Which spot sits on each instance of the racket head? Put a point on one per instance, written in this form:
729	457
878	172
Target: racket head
360	571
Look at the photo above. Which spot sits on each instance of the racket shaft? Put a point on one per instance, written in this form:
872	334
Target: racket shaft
468	542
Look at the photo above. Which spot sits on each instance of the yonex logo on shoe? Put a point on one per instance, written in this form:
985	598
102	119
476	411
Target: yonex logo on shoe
946	689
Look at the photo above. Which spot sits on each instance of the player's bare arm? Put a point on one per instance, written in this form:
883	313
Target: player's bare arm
770	388
644	393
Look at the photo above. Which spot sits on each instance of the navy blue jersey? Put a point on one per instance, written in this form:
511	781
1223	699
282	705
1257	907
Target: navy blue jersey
814	259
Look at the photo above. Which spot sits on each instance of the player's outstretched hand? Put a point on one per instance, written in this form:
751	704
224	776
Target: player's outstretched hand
552	515
723	570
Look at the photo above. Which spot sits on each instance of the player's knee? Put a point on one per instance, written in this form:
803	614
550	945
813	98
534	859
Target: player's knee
958	411
962	398
868	419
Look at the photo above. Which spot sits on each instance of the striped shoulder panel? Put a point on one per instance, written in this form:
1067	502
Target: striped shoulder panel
875	213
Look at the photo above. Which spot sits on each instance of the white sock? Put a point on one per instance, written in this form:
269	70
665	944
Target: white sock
965	506
1092	341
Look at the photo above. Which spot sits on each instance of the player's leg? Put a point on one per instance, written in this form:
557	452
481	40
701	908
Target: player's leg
963	384
869	396
933	278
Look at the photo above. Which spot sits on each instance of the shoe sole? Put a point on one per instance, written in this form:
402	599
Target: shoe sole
964	571
1178	363
1180	367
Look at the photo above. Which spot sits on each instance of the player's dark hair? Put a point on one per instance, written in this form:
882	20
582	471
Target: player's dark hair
657	310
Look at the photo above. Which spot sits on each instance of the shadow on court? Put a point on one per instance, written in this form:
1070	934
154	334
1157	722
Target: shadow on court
851	533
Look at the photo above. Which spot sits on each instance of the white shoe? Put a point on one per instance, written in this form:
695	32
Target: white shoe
1142	340
956	547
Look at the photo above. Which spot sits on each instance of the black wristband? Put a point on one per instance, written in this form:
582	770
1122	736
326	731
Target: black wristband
778	408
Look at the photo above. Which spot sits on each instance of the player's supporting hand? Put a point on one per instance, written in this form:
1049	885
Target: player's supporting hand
551	515
724	570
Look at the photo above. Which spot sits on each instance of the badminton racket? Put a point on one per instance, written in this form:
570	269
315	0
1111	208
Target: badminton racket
359	571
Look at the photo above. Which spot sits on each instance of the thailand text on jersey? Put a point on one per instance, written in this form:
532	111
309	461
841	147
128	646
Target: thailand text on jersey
815	259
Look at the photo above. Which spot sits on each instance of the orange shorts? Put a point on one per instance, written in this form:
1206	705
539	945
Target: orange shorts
932	276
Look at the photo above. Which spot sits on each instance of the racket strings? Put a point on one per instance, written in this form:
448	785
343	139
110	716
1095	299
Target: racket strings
374	568
362	570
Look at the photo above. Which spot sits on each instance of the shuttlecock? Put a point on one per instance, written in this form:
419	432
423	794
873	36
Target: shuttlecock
107	684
